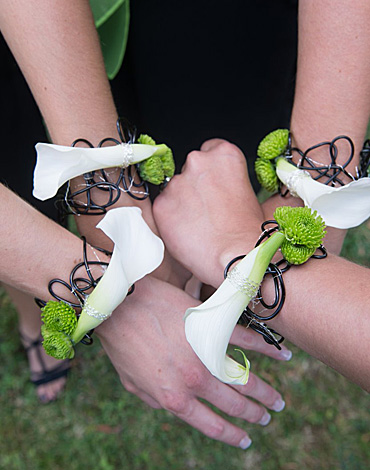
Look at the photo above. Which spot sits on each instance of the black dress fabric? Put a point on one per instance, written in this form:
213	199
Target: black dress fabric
21	128
200	69
193	70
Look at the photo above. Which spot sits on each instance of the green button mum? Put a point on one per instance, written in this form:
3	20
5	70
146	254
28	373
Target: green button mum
274	144
160	165
303	231
59	316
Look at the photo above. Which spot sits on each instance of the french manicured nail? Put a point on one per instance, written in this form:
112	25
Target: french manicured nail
286	354
279	405
266	418
245	443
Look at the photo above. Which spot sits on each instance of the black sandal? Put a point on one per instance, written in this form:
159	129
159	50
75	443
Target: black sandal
45	375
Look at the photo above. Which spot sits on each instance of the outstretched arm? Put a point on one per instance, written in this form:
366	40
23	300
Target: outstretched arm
166	373
59	53
325	312
332	95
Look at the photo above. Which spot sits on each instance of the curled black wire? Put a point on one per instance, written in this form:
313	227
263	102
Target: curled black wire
329	174
125	181
275	270
79	286
363	170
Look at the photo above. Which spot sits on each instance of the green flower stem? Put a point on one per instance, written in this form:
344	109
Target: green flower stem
284	165
84	325
107	295
265	253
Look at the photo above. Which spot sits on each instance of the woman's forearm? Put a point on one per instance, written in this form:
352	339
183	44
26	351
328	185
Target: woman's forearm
34	249
332	95
57	48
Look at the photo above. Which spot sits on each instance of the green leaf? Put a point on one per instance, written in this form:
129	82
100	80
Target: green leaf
112	19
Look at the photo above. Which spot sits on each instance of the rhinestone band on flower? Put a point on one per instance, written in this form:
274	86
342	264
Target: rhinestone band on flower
242	283
94	313
292	181
127	154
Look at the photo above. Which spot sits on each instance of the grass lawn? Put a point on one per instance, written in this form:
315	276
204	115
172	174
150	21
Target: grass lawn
96	424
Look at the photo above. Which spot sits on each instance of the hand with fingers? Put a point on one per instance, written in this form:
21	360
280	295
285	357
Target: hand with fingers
146	343
209	213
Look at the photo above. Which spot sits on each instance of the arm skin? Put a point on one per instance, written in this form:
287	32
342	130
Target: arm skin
59	54
327	302
149	321
332	95
58	51
34	249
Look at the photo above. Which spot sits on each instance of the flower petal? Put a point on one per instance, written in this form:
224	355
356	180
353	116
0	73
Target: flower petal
345	207
208	330
137	252
209	326
57	164
341	207
140	250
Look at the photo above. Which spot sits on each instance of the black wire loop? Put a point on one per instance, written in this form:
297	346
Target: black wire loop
364	167
80	286
82	201
332	174
275	271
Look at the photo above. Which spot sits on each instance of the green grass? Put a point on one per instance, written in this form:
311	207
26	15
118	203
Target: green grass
96	424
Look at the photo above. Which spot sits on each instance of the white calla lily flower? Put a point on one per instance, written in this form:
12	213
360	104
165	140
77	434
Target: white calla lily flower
137	252
57	164
341	207
209	326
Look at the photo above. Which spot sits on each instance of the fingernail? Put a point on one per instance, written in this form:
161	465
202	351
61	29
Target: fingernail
266	418
286	354
245	443
279	405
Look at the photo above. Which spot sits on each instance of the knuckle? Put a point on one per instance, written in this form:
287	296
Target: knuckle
251	385
193	159
194	378
215	430
130	387
248	339
229	149
237	408
256	414
175	402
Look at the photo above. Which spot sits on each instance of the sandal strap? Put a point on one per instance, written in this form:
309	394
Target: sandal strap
45	375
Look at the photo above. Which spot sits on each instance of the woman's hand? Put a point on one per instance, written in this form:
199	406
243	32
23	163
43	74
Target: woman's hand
146	343
209	213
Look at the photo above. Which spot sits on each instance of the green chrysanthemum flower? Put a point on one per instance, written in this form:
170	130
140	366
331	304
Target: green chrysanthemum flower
151	170
266	174
168	162
303	231
274	144
159	165
57	344
59	316
146	139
